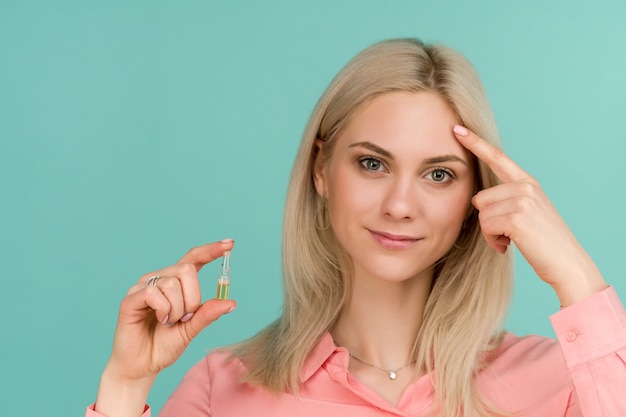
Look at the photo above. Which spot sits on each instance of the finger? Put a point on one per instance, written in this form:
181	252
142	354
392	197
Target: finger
202	255
520	193
190	287
499	242
494	224
512	207
171	288
188	276
140	304
208	312
495	158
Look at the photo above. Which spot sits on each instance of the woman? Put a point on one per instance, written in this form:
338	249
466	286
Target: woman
397	276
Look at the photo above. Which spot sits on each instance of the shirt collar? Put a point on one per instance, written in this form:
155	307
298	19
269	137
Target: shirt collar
320	354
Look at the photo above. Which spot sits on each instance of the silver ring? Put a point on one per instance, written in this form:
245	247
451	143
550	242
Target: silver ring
152	281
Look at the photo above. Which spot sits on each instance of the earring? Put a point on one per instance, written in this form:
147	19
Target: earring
458	247
466	230
321	220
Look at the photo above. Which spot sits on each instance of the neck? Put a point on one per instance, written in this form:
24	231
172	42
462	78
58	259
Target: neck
381	320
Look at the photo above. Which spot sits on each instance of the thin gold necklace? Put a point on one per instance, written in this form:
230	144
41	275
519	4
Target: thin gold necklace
393	373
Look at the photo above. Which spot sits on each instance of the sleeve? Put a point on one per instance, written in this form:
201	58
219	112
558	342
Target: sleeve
92	413
191	397
592	336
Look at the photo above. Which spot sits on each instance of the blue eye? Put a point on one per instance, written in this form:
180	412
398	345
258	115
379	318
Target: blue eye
372	164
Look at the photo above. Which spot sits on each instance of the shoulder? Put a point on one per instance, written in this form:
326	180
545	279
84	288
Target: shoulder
528	348
527	371
221	364
527	354
210	378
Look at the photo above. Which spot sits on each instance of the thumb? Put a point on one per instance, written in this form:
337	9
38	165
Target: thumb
208	312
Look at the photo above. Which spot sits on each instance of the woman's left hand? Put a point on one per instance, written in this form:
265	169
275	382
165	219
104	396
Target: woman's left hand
519	211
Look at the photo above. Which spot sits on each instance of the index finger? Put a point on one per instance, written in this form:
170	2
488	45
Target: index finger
202	255
503	166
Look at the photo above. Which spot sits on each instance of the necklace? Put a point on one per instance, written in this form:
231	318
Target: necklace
393	373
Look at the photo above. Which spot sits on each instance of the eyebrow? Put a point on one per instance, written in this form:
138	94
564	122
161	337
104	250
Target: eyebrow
373	148
445	158
434	160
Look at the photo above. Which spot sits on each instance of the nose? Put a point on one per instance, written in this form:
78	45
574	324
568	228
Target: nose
400	200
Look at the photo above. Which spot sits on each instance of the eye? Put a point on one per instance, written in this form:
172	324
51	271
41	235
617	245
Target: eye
440	175
372	164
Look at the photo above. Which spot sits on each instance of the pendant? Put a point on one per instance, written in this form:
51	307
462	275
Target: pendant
392	375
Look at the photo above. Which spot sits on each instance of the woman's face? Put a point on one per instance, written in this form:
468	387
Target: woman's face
398	185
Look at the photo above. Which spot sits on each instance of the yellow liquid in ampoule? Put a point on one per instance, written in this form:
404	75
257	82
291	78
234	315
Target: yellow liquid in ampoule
222	290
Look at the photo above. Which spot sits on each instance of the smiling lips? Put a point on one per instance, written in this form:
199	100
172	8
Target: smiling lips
391	241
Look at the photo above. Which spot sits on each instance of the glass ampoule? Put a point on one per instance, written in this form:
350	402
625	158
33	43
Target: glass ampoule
223	281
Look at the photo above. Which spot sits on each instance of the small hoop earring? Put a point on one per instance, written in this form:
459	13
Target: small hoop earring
459	247
321	212
463	234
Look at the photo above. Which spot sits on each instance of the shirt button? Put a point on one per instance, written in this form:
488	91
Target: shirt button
571	336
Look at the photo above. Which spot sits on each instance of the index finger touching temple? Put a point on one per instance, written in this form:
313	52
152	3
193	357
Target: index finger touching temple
503	166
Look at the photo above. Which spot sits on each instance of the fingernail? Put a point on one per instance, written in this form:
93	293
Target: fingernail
230	309
186	317
460	130
165	319
227	240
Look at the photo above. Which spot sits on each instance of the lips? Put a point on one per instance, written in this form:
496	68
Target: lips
393	241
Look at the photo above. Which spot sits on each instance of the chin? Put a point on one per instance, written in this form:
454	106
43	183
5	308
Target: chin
399	274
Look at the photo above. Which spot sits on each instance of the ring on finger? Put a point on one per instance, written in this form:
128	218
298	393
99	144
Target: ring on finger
152	281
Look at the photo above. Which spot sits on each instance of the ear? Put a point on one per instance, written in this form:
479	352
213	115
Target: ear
318	168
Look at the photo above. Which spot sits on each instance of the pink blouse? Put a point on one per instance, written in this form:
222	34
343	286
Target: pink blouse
583	374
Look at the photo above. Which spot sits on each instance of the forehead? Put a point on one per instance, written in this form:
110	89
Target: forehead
404	122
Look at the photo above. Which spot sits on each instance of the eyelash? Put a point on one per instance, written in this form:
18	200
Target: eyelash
364	160
450	174
446	171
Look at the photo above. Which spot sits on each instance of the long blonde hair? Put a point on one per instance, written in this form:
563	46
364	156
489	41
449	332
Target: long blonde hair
472	284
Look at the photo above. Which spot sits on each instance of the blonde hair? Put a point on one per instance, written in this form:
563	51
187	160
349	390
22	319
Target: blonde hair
472	283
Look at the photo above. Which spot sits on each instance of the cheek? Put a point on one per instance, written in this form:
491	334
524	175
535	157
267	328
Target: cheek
445	209
342	190
346	193
455	210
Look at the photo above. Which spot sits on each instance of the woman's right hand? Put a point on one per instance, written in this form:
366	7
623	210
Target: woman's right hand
156	323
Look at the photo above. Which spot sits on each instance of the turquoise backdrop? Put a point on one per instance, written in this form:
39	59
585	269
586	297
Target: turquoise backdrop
133	130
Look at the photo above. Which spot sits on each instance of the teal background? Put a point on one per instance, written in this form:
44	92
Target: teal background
131	131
